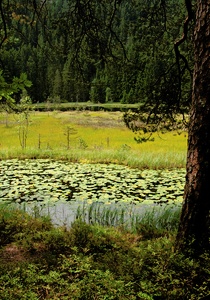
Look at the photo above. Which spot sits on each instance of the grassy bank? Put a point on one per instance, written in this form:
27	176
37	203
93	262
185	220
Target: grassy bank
46	106
39	261
87	136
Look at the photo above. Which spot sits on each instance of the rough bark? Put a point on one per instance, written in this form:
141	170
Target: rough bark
194	230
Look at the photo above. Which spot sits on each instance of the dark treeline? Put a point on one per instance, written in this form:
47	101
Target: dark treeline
99	51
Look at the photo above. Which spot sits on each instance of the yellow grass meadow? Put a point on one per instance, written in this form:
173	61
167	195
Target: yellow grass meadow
89	134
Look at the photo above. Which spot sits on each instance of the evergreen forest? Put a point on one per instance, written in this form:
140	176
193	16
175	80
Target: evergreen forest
98	51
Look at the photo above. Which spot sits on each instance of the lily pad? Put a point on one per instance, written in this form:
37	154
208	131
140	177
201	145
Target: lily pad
44	180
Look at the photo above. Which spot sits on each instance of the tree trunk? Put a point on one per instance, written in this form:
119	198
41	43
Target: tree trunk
194	229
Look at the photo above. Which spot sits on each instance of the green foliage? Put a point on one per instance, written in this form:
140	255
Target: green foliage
147	220
86	261
158	221
82	144
15	223
8	90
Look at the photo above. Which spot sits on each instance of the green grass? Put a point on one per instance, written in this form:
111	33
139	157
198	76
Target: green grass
94	137
148	221
38	261
82	106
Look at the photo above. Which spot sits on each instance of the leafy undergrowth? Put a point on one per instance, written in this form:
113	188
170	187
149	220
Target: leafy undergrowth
39	261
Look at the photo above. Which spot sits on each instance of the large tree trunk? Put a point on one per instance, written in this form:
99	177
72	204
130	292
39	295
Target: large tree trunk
194	229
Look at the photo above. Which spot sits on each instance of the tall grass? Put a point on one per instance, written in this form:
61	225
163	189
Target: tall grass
143	219
151	160
148	221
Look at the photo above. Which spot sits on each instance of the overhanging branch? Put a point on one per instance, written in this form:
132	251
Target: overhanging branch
4	24
179	56
189	18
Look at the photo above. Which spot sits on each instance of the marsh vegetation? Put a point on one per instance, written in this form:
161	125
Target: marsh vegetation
87	136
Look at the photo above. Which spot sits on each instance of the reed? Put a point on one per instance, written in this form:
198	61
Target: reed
146	220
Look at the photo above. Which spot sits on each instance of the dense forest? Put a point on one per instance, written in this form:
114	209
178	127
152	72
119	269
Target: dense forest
106	52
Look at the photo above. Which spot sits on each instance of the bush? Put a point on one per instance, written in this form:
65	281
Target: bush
94	262
17	223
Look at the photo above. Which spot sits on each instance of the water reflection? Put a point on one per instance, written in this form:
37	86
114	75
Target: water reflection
114	214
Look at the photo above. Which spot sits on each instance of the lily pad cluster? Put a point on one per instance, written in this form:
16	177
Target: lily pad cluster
45	180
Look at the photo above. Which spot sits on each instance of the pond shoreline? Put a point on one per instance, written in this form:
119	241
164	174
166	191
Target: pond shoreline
115	214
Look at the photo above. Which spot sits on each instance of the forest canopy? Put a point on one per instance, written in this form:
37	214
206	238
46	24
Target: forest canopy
99	51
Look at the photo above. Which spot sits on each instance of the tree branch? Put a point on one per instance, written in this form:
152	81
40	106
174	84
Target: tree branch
189	18
4	24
